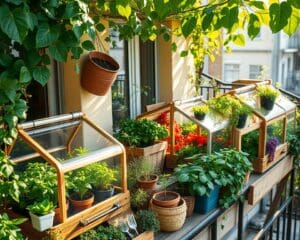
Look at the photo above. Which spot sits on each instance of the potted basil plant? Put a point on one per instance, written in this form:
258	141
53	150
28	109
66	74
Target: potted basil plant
102	178
142	138
42	215
81	197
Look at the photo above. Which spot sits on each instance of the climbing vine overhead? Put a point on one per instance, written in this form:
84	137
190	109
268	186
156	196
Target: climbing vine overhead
34	31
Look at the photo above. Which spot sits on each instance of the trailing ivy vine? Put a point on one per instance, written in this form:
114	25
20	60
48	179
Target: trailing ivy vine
34	31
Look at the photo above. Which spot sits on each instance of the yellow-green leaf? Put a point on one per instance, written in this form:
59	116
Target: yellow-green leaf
293	22
124	11
239	40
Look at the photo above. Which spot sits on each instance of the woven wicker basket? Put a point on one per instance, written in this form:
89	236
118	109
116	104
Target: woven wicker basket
171	219
190	205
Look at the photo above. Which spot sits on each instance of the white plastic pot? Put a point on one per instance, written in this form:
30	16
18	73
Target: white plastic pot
42	223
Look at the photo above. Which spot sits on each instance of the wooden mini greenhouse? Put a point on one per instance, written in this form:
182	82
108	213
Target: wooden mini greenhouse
261	126
52	140
265	126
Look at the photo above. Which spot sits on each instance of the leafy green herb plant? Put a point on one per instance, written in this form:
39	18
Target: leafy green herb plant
80	183
11	186
147	221
9	228
103	233
139	199
101	176
140	133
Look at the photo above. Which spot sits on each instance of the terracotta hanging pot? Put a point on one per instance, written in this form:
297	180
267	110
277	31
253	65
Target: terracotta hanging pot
98	73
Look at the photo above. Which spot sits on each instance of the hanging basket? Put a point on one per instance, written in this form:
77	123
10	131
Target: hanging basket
98	73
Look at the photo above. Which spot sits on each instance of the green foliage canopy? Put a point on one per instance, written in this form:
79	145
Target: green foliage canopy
33	32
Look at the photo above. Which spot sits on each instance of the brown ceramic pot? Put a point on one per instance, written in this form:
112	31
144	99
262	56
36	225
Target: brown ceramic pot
79	205
166	199
147	184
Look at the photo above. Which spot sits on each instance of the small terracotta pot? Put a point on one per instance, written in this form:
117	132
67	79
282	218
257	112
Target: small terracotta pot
98	79
79	205
166	199
147	184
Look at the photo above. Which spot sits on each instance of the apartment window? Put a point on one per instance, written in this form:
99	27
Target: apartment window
254	71
231	72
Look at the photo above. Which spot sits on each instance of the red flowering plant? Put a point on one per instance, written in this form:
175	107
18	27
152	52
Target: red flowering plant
191	139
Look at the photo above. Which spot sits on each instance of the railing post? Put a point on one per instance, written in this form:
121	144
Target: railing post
290	208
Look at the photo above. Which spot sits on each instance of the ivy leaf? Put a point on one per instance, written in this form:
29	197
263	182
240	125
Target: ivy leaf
25	76
173	47
88	45
124	11
76	51
293	22
46	35
8	86
5	59
166	37
100	27
59	51
8	24
188	25
183	53
253	26
71	10
41	74
279	15
79	30
20	108
239	40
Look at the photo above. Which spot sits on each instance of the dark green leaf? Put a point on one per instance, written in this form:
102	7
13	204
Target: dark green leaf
88	45
166	37
207	20
71	10
100	27
184	53
253	26
279	15
76	51
188	25
59	51
9	26
9	86
5	59
41	74
46	35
